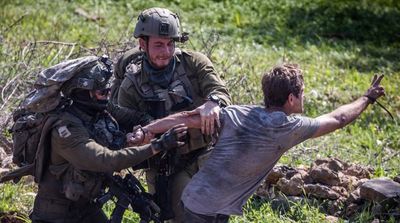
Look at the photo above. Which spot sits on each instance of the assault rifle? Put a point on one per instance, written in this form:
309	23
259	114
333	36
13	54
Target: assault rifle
165	162
128	191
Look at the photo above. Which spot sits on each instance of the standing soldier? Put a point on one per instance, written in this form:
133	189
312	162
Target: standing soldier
160	79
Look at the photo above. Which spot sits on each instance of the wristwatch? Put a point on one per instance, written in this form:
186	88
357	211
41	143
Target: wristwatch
214	98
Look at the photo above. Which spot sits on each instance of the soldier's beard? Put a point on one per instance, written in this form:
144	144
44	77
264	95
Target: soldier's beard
161	77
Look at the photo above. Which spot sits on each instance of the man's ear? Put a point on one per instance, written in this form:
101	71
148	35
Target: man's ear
290	99
142	44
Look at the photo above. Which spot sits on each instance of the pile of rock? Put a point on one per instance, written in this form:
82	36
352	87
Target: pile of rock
341	189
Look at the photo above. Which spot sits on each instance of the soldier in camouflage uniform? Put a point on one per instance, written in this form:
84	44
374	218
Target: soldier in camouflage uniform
85	144
160	79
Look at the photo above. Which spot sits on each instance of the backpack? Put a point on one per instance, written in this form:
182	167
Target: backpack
37	116
131	56
31	142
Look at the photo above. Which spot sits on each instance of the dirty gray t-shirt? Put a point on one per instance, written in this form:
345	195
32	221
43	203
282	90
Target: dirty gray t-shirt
251	142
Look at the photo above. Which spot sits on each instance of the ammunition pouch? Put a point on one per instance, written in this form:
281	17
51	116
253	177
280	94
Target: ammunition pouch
156	107
77	184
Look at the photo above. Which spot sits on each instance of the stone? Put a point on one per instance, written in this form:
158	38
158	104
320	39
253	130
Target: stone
291	173
361	181
340	190
380	190
276	173
348	182
334	207
292	187
354	197
352	209
322	174
308	179
335	164
296	185
357	171
321	161
305	176
331	219
320	191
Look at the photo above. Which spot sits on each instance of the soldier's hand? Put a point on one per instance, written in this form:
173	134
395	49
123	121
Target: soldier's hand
209	114
173	138
139	136
375	91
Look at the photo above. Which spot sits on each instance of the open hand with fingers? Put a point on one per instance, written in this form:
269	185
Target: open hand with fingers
209	114
375	91
173	138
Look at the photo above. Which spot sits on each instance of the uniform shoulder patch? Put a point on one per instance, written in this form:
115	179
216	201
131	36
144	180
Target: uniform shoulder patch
63	131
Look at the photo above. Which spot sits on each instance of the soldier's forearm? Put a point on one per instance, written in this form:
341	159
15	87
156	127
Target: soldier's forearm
162	125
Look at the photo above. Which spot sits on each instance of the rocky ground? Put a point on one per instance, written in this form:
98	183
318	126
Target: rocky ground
340	189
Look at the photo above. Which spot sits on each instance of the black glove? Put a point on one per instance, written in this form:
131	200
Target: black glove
173	138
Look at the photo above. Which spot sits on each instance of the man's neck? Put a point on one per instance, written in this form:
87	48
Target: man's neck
275	109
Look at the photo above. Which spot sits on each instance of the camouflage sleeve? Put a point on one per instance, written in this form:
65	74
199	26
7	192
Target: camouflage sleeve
207	77
72	143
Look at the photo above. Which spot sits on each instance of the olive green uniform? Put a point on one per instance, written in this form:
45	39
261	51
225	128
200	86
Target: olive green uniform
80	155
195	72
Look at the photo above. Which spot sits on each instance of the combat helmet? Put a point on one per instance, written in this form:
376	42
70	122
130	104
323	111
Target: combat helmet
159	22
59	81
94	75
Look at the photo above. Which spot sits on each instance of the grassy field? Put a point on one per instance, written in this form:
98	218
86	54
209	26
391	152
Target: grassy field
339	45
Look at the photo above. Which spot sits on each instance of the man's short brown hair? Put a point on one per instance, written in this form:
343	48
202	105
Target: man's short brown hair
279	82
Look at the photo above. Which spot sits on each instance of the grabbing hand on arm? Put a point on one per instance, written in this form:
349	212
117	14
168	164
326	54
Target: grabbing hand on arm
139	136
209	117
143	135
345	114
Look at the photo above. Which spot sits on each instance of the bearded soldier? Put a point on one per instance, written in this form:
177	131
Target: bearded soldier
85	142
160	79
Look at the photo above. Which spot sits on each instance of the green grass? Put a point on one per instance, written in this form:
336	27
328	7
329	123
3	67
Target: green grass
339	45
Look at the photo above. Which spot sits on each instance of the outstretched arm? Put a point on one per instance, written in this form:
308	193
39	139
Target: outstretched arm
143	135
191	120
345	114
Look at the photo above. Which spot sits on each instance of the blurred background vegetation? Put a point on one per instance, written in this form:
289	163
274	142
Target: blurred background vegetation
339	45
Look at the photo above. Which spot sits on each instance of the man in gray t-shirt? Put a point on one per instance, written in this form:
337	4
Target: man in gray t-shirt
251	142
252	139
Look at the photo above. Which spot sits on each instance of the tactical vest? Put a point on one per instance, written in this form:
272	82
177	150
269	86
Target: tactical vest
182	94
77	184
